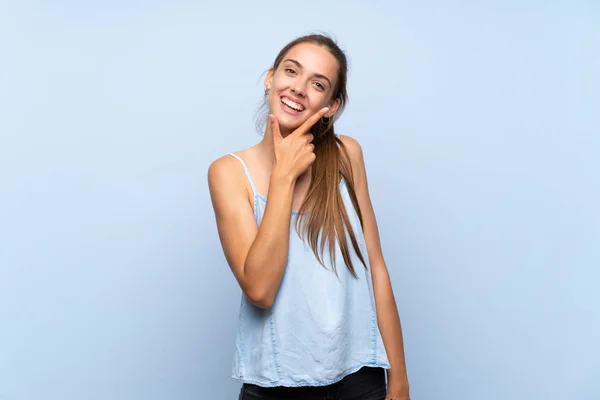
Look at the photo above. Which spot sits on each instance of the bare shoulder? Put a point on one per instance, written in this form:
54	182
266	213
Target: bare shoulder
351	143
223	162
354	151
226	176
354	148
221	168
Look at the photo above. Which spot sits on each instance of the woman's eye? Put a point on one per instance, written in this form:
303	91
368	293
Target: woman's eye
290	70
319	85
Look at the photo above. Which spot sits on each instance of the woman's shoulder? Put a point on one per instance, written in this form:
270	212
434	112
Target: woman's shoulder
228	161
353	147
228	168
222	165
349	141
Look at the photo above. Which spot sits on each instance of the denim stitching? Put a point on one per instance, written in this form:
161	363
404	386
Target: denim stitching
274	347
374	335
242	347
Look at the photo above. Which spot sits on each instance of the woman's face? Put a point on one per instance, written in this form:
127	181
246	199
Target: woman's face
302	84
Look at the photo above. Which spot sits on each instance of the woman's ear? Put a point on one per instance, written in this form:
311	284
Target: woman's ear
333	107
269	78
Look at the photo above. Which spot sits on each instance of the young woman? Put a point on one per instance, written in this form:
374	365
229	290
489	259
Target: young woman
318	317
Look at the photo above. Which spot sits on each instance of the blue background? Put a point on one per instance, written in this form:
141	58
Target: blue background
480	127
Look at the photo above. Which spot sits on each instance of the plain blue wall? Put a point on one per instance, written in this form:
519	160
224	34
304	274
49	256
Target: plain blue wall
480	127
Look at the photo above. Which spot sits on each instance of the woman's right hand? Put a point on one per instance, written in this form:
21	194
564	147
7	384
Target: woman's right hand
294	153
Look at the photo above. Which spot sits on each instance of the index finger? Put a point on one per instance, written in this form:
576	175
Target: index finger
305	127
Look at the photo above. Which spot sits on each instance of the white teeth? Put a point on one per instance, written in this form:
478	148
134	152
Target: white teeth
292	104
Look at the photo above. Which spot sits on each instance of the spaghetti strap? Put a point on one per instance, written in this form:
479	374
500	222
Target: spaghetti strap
247	171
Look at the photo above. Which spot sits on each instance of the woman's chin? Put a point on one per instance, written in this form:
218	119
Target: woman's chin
287	123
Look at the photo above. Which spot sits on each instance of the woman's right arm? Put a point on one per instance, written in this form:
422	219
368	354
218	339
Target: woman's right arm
256	255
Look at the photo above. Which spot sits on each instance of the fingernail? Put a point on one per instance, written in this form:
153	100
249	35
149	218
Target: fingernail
326	109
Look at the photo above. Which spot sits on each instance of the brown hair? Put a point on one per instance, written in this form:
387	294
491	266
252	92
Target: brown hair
323	212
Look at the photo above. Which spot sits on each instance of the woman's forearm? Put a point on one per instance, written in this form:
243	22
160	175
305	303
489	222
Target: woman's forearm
391	333
267	256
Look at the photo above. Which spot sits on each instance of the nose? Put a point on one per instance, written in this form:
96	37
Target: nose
298	89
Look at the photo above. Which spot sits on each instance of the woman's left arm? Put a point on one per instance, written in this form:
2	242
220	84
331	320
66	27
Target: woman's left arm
387	312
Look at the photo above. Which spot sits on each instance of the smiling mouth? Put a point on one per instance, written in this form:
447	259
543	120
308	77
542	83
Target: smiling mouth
292	105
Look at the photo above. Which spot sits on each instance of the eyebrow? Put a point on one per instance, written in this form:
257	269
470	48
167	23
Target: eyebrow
300	66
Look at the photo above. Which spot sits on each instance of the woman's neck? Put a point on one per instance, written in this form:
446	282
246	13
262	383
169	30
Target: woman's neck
266	144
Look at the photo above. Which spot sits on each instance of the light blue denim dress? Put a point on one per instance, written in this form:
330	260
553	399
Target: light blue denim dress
321	327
